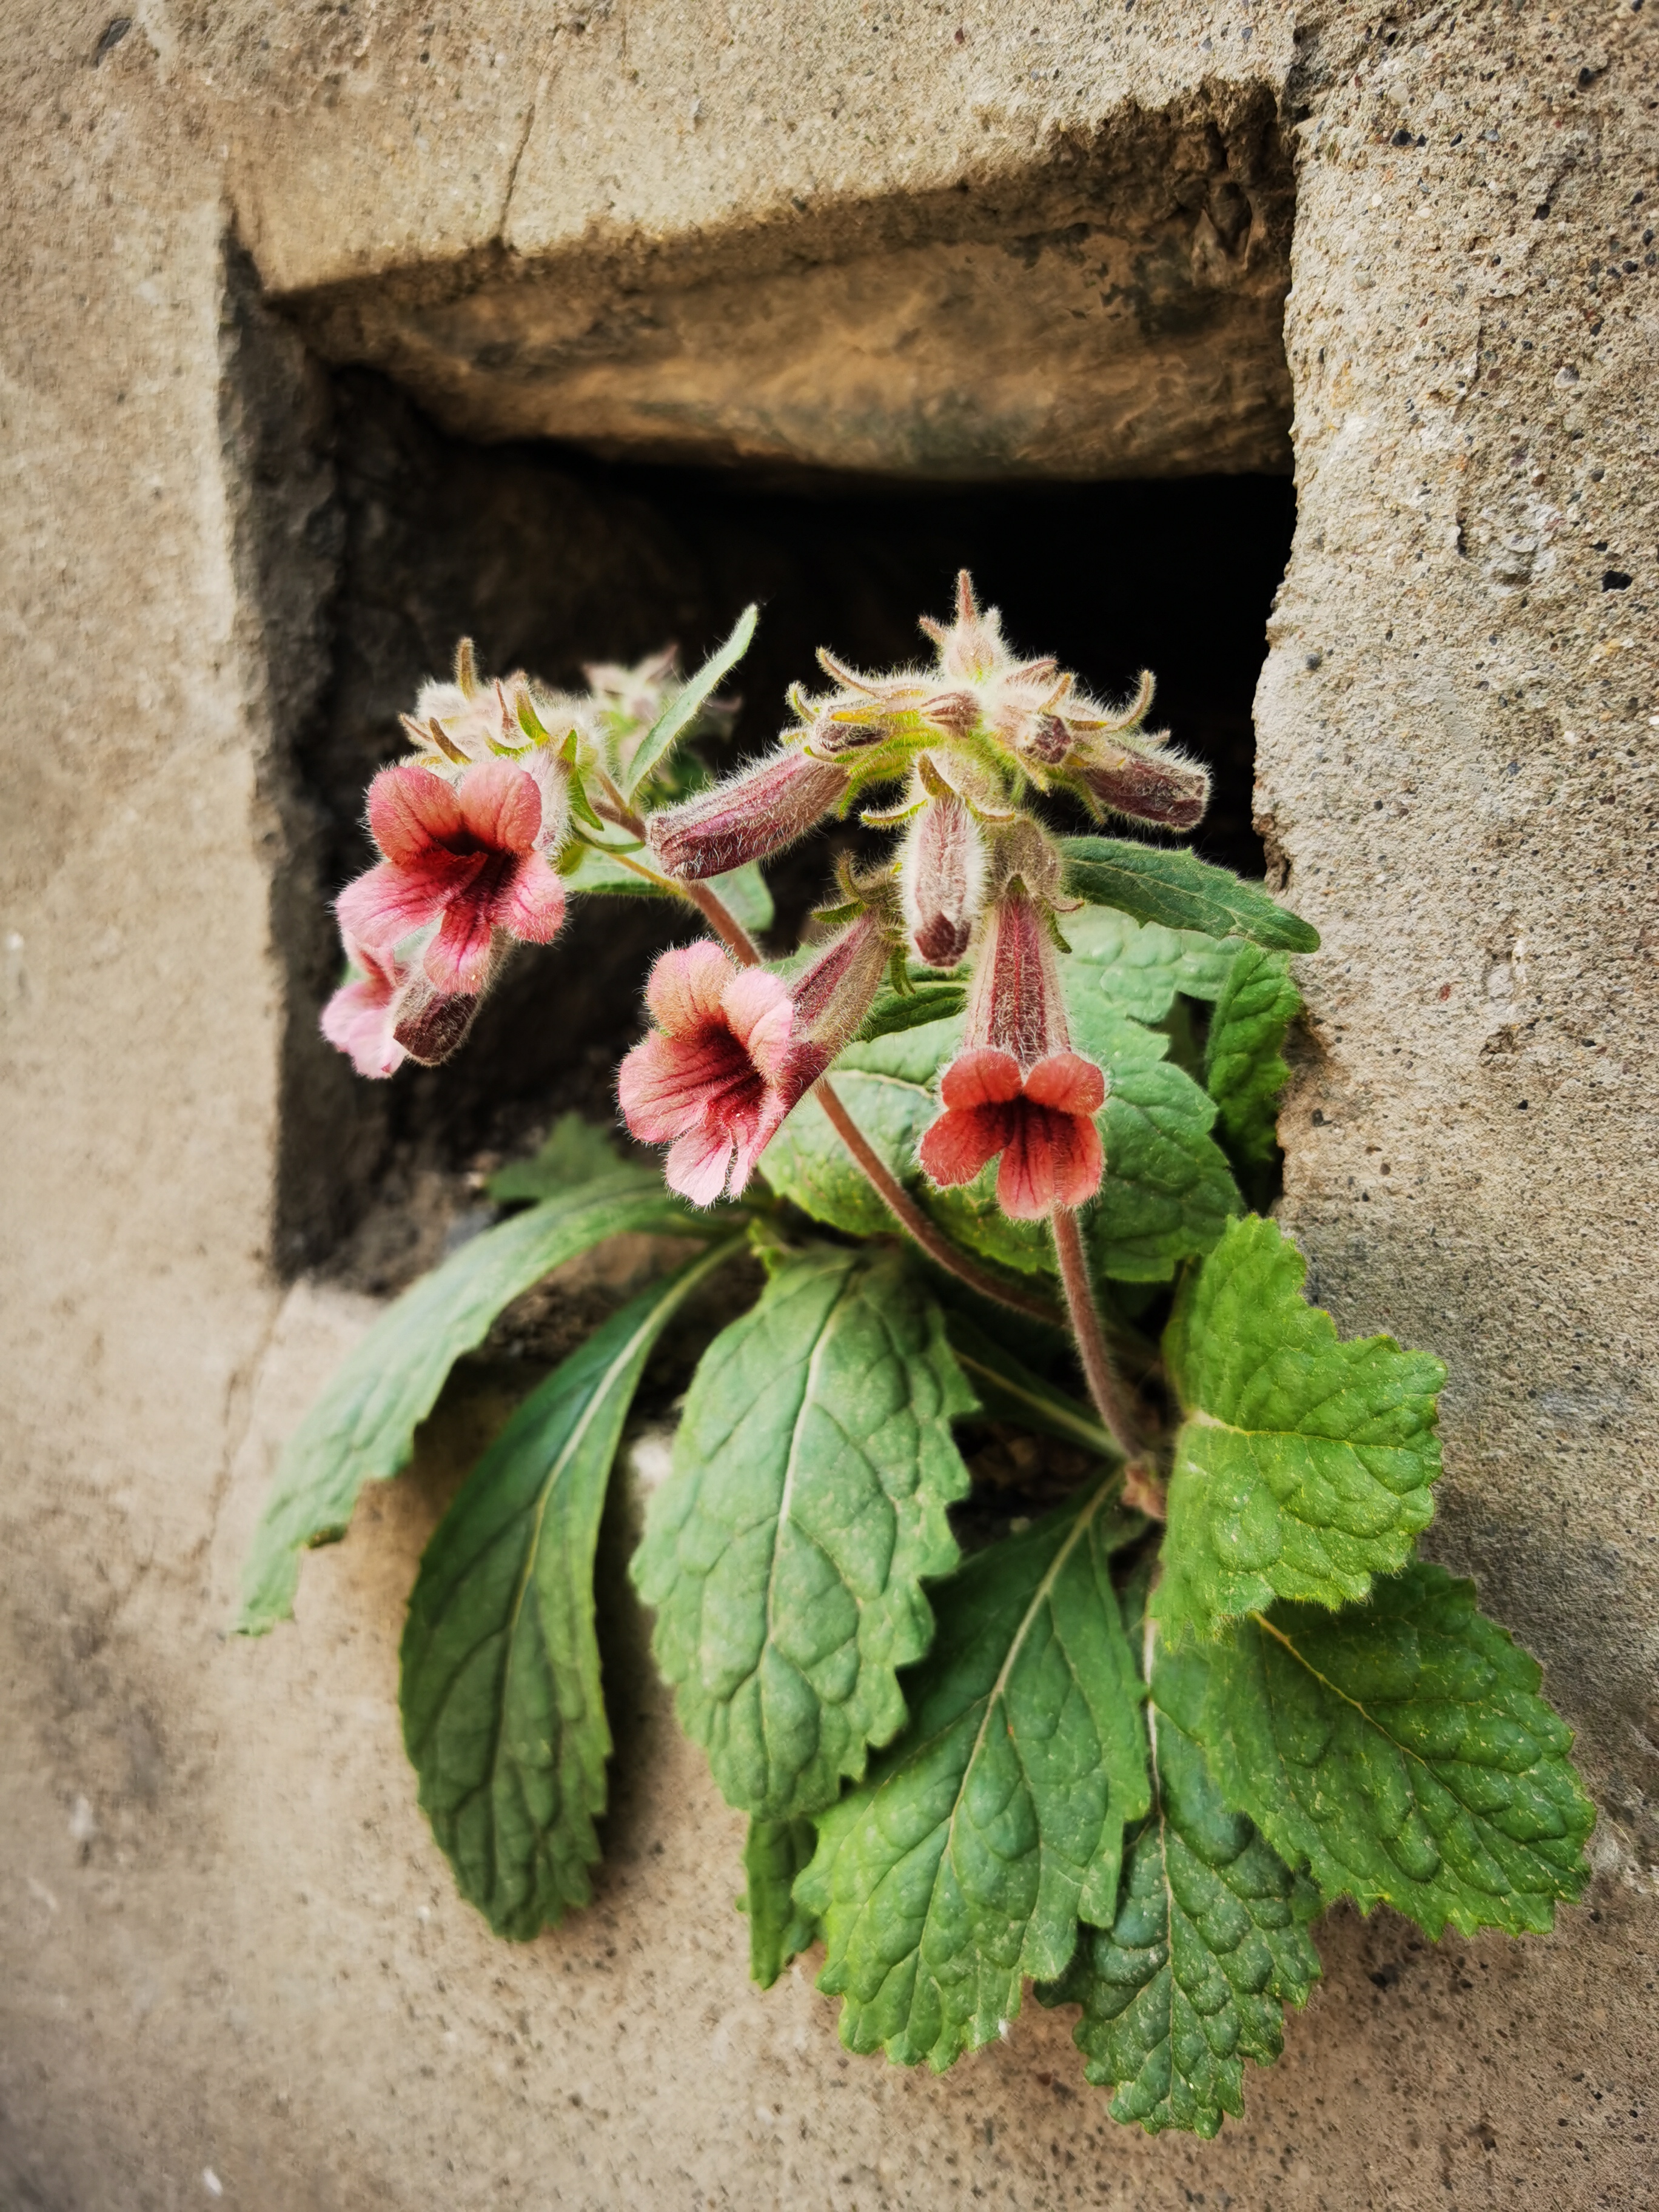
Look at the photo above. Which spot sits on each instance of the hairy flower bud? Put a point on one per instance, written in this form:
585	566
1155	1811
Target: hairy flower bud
835	992
942	880
1016	1004
1146	785
758	812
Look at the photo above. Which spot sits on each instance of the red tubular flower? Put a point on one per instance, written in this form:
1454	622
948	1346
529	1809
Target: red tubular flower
1042	1123
463	855
735	1049
389	1012
1016	1088
942	880
758	812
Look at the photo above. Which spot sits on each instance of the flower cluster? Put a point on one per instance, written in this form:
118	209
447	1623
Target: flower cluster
510	787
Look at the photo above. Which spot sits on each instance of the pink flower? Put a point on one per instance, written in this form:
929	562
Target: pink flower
389	1012
463	855
1016	1088
735	1049
758	812
1042	1123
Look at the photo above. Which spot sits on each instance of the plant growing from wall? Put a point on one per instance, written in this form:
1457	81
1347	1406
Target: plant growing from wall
993	1133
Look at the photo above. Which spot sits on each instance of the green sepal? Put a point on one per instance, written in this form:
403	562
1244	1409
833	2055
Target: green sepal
774	1853
503	1711
1304	1464
786	1552
962	1863
1168	884
1401	1750
1208	1943
361	1428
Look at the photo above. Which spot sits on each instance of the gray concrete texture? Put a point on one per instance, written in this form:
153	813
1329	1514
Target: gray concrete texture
956	240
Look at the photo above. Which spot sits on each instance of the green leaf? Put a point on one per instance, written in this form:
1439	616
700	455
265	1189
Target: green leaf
1303	1465
1168	1191
785	1553
744	893
575	1151
683	709
1208	1944
503	1713
1242	1070
894	1011
1401	1749
964	1861
1168	884
779	1929
886	1086
602	876
1140	966
362	1428
1008	1390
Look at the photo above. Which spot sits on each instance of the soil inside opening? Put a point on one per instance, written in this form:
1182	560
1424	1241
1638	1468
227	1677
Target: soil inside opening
549	558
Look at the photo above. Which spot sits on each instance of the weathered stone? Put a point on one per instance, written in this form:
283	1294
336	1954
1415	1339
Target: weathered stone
229	1946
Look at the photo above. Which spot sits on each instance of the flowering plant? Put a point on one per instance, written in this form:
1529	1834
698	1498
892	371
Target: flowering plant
993	1133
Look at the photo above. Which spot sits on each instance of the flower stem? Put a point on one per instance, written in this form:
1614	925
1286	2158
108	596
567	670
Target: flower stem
899	1203
1111	1400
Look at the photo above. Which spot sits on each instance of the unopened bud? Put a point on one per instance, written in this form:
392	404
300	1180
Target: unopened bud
834	992
1016	1004
752	814
434	1023
942	880
1157	788
1045	741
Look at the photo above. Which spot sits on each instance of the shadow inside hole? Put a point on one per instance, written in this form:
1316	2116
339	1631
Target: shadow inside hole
549	558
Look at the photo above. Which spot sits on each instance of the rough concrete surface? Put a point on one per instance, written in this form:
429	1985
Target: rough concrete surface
234	1967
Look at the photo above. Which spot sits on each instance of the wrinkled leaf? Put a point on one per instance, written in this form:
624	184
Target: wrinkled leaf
1140	966
1401	1751
913	1009
779	1929
964	1861
1242	1070
1303	1466
683	709
361	1427
1168	884
785	1554
503	1713
1208	1944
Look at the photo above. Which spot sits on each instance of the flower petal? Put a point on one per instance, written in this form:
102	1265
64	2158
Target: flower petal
1068	1083
501	805
532	904
657	1089
457	959
389	901
956	1146
981	1077
410	810
697	1164
358	1020
1079	1162
761	1015
684	990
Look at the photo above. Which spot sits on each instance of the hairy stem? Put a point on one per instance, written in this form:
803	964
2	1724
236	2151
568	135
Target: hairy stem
722	920
904	1209
1111	1400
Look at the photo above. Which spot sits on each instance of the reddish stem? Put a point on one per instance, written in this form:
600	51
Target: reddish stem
1110	1399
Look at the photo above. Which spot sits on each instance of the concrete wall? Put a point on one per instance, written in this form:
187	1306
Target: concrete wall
229	1946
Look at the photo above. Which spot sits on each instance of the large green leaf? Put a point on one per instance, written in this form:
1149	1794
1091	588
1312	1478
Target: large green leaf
785	1553
362	1428
1303	1466
1401	1751
503	1713
1139	966
887	1085
1168	884
683	709
779	1929
1242	1070
1208	1944
1168	1191
962	1863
